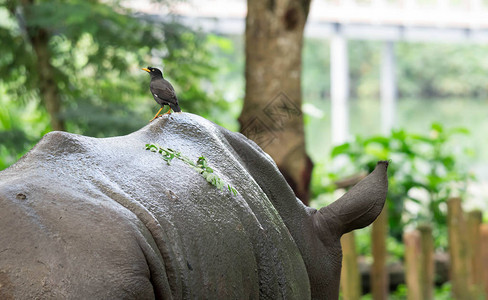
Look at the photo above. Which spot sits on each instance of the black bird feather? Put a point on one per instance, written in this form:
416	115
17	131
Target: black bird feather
162	91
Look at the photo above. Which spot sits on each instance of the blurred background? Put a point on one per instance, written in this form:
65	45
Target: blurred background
367	80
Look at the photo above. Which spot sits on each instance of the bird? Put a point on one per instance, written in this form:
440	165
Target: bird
162	91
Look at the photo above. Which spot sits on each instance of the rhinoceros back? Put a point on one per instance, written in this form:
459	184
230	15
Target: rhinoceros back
103	218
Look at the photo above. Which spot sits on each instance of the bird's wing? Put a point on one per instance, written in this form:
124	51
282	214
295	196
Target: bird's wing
164	91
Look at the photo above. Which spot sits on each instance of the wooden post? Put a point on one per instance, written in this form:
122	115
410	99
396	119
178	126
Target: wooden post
426	260
484	255
458	250
350	277
474	243
412	251
419	263
379	274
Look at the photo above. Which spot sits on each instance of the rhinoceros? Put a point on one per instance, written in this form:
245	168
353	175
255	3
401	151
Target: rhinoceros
103	218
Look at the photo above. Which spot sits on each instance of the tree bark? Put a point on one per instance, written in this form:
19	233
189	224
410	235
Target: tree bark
272	115
48	88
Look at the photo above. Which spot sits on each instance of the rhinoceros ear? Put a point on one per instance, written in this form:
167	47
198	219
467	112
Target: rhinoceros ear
361	205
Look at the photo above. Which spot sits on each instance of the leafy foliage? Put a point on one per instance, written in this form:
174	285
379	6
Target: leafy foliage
443	292
424	172
97	49
201	166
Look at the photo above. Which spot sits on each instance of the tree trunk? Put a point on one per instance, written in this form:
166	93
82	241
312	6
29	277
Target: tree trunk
272	115
48	88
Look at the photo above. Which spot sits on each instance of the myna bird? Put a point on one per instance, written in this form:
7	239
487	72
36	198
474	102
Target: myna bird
162	91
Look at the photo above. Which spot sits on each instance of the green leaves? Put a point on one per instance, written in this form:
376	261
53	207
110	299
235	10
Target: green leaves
425	170
201	166
341	149
97	49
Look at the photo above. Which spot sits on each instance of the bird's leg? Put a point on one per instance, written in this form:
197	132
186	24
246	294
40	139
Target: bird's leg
168	112
157	114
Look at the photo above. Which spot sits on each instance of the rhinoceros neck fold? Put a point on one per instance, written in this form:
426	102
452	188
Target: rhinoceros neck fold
267	175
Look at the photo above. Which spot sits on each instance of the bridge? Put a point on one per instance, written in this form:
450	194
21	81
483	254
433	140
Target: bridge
389	21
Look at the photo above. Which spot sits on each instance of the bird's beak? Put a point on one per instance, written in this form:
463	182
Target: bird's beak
146	69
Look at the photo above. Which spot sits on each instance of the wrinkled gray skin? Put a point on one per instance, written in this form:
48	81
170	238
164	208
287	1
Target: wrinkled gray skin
92	218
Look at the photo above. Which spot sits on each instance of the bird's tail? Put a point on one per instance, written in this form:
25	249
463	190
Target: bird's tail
175	107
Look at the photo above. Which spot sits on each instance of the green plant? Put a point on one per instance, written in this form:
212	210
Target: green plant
93	54
423	174
201	165
443	292
440	293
